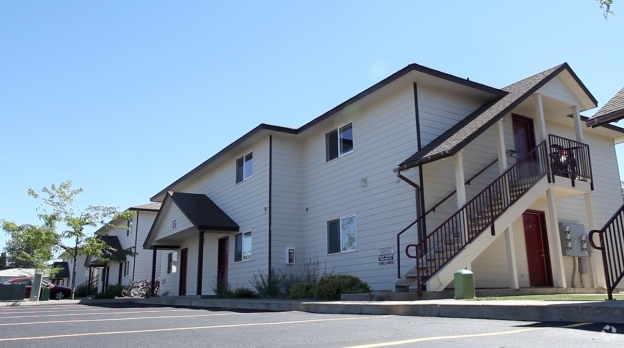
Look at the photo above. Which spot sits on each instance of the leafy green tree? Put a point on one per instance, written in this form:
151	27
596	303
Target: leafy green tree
59	209
3	261
605	5
31	246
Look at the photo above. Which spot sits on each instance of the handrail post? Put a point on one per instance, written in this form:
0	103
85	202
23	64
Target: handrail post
606	267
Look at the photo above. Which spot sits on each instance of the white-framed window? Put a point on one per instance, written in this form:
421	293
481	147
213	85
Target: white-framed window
129	228
244	167
341	235
172	258
242	246
339	142
126	268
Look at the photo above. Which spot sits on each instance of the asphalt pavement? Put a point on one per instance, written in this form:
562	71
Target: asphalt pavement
116	325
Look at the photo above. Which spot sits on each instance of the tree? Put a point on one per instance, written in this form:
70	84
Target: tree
59	209
30	246
605	5
3	261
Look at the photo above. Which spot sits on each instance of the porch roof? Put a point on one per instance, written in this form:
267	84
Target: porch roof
612	111
64	272
202	213
465	131
115	251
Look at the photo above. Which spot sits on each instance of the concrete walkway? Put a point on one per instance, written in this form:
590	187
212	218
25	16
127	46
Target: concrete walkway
610	312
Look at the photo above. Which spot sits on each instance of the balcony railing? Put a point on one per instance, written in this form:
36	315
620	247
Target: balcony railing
570	159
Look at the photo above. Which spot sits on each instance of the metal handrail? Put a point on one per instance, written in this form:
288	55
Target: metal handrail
611	238
570	158
479	213
432	210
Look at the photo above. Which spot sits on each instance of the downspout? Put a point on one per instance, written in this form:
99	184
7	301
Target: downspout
136	236
270	206
420	194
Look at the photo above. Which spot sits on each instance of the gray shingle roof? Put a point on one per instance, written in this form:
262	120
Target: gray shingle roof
614	104
64	271
458	136
149	206
202	212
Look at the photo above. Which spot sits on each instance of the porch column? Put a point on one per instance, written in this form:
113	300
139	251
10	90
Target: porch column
578	125
153	284
89	281
512	266
598	277
200	262
461	193
553	239
541	121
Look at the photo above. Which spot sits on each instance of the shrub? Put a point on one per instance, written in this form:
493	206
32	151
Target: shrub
81	291
221	289
263	286
310	272
111	292
332	286
243	292
302	290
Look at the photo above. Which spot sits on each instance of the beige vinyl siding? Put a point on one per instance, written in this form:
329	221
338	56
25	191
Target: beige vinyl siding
440	110
287	202
173	213
491	266
143	267
247	204
169	283
557	89
384	135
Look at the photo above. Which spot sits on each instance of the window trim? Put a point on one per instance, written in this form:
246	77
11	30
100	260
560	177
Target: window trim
242	247
236	167
337	129
126	271
171	265
327	235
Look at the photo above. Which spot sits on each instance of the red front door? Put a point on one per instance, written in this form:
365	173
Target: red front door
222	261
183	267
538	254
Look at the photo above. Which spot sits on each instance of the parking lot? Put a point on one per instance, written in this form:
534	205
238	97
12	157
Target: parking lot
145	326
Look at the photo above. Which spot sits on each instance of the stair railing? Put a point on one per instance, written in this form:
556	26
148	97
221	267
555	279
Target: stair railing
432	210
611	240
461	228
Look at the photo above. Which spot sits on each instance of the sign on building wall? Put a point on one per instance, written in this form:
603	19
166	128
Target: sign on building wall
386	256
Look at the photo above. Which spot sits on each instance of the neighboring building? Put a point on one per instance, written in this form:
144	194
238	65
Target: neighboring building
420	145
62	276
120	268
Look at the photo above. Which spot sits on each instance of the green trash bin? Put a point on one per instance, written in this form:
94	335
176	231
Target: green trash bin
45	294
464	284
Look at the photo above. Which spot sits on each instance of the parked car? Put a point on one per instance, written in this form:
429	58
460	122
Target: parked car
56	291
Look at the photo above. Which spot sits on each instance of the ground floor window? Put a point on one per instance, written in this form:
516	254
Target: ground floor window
172	258
126	268
341	235
242	246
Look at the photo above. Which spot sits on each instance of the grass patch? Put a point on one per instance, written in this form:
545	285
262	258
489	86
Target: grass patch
557	297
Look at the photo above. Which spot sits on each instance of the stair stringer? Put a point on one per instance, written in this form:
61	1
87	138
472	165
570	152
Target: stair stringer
441	279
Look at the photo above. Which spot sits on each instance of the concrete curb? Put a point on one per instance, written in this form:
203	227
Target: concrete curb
611	312
600	312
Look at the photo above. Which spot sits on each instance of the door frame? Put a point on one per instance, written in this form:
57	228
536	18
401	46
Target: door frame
183	272
530	121
544	234
226	257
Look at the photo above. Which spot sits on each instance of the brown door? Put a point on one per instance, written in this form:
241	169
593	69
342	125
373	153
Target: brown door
222	261
524	142
538	254
183	268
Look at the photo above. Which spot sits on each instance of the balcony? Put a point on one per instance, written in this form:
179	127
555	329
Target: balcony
570	166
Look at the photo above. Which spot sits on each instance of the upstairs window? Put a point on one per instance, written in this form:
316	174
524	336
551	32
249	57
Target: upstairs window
339	142
341	235
244	167
242	246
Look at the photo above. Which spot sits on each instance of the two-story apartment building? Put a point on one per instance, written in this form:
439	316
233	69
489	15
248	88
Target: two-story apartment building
121	269
425	160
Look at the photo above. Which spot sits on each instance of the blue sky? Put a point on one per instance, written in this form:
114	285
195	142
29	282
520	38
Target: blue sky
125	97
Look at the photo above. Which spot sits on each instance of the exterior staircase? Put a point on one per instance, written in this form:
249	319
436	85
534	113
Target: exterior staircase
461	238
611	238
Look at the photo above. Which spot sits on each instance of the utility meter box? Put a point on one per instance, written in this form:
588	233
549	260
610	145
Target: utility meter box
574	239
290	255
